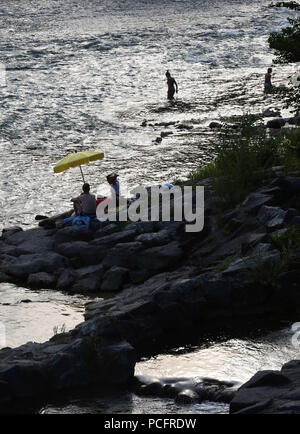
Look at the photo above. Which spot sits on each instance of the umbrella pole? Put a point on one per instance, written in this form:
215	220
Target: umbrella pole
82	174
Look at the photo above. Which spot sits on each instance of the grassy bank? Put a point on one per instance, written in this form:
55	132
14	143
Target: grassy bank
245	157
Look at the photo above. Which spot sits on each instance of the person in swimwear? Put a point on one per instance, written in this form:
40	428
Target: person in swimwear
268	83
171	82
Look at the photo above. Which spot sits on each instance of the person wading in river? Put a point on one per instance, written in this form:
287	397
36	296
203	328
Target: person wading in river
171	82
268	83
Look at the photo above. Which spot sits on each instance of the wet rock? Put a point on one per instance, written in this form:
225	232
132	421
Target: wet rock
184	127
86	285
66	279
24	379
107	230
5	278
166	133
82	252
253	239
34	263
187	396
262	254
7	249
253	409
295	120
7	232
41	280
215	125
255	200
32	241
138	276
71	249
267	378
271	112
91	270
123	255
40	217
114	238
160	258
171	227
165	124
114	279
152	389
276	123
68	234
273	217
5	392
154	239
141	227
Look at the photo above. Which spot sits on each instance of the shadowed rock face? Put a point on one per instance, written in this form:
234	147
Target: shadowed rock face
270	392
171	284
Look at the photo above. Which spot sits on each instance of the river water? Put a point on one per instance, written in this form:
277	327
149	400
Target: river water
84	75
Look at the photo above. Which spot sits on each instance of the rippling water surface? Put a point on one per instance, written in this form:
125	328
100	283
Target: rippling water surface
226	359
84	75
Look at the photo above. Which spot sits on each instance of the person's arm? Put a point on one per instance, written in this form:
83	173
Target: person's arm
176	85
76	199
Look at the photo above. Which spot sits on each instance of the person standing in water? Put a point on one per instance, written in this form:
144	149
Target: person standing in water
268	83
171	82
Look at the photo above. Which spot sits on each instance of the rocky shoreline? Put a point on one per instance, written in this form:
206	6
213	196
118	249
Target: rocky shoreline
170	284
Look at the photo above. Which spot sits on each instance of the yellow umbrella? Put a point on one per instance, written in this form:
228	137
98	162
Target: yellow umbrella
77	159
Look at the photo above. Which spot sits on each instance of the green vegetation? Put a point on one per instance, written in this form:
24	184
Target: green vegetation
267	272
288	243
291	5
244	158
288	240
287	42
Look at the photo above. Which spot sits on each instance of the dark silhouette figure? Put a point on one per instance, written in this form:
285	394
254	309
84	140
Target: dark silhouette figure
171	82
268	83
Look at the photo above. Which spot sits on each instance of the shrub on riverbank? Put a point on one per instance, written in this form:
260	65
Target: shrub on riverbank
290	5
287	42
244	159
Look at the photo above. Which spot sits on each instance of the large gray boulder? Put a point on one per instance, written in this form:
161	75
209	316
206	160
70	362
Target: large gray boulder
24	265
114	279
153	239
35	240
41	280
270	392
274	217
123	255
68	234
88	284
276	123
66	279
160	258
255	200
114	238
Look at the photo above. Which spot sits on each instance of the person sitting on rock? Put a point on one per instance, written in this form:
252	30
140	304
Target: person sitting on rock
171	82
85	204
268	83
